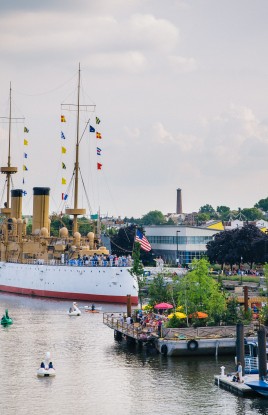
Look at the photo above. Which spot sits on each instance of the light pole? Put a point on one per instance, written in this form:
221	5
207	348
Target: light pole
241	270
177	250
265	246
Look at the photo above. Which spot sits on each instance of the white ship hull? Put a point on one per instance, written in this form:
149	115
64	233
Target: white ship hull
100	284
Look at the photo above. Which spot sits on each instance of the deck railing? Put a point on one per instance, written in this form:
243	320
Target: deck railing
137	331
71	263
134	330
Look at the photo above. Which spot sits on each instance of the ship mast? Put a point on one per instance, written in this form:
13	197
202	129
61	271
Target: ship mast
76	211
8	170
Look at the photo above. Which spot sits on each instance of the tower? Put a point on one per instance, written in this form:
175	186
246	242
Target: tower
179	202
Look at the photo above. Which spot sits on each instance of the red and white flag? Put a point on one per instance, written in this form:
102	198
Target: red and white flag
143	241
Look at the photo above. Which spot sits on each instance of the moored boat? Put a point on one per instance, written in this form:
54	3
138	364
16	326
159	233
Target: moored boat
259	386
6	320
45	266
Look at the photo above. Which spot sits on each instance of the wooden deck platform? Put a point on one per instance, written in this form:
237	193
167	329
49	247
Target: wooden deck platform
131	331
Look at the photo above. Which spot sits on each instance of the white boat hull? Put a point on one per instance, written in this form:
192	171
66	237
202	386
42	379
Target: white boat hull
74	313
46	372
96	284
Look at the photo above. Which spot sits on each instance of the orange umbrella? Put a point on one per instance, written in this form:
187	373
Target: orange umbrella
199	314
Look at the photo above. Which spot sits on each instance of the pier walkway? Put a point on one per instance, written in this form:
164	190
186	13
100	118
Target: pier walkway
133	331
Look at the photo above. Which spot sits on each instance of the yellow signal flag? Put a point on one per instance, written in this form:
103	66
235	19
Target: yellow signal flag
25	142
63	150
63	181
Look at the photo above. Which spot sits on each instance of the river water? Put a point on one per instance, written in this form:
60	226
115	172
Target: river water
95	374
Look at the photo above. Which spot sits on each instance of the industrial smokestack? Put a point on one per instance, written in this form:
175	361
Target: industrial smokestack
179	202
16	203
40	209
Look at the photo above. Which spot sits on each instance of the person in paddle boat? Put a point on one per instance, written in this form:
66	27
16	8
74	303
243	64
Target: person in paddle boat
47	364
46	367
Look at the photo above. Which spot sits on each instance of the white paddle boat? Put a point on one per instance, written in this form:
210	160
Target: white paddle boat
74	310
46	368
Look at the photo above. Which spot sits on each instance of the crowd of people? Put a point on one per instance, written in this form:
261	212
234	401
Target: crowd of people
101	261
144	323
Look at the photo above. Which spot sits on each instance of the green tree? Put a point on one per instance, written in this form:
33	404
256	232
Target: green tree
154	217
58	222
223	212
262	204
252	213
159	291
232	315
207	209
202	217
200	292
137	271
85	226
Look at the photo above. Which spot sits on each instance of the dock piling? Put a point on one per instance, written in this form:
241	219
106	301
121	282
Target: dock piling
262	352
240	350
128	305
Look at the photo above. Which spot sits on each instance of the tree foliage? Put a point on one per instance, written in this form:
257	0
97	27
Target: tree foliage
197	291
137	270
262	204
154	217
248	243
223	212
252	213
159	291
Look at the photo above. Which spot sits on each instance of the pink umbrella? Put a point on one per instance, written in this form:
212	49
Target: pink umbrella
163	306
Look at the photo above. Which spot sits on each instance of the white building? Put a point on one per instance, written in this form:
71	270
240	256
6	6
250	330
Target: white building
183	243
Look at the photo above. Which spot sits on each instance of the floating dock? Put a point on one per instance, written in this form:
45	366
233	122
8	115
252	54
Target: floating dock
209	341
237	388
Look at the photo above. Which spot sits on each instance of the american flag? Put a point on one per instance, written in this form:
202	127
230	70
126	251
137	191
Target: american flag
144	243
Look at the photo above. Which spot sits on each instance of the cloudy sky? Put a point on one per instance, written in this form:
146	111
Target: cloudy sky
180	87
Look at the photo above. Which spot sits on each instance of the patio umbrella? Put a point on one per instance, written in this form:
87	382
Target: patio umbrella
199	314
146	307
163	306
178	314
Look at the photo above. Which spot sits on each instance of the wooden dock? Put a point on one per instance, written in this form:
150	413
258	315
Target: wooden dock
132	332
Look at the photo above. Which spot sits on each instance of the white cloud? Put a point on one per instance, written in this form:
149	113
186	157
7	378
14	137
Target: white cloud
130	62
182	64
185	142
152	33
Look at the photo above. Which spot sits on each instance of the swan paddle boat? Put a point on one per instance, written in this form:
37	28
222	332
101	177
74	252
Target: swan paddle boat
46	368
6	320
74	310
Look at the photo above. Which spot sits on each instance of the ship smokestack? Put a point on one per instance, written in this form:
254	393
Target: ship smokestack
40	209
16	203
179	202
